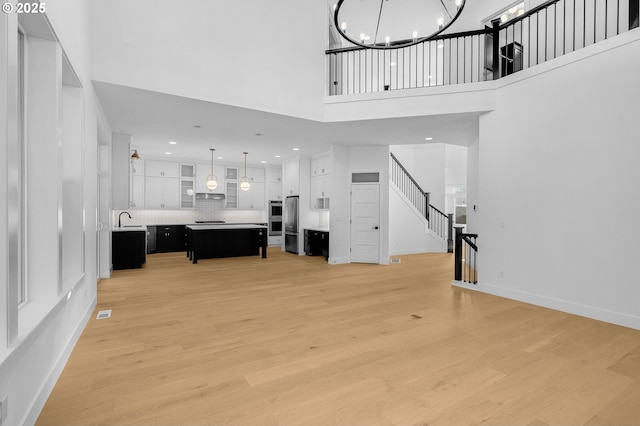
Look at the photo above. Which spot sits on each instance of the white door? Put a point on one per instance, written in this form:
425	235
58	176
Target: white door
365	223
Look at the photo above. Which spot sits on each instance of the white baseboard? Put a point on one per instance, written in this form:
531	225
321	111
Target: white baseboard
593	312
56	371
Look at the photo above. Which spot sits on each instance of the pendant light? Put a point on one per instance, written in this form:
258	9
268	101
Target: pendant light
245	185
212	180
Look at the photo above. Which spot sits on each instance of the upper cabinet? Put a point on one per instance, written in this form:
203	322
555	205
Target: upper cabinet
166	169
187	185
187	171
321	166
292	178
162	185
137	185
274	183
320	188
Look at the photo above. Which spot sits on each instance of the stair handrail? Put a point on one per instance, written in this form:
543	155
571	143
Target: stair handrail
423	209
441	224
465	248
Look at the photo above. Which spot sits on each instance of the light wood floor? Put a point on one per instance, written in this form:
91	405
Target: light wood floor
293	341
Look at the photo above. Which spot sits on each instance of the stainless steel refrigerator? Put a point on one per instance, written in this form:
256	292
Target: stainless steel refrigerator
291	224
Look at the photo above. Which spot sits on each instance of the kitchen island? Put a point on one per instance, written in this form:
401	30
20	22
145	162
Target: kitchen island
225	240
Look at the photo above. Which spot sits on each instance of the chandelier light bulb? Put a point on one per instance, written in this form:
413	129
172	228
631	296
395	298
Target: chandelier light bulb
444	13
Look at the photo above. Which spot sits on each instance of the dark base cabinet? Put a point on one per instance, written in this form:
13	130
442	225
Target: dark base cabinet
316	243
128	249
217	242
170	238
151	239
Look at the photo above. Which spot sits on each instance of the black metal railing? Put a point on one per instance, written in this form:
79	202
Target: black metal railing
552	29
440	223
466	257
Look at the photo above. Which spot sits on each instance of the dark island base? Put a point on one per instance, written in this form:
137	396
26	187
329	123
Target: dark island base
215	243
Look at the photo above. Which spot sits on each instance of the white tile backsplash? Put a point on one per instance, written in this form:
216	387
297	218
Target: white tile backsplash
205	210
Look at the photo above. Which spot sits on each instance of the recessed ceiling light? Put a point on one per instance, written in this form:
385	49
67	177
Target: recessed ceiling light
296	149
219	158
263	161
173	143
277	156
428	139
167	153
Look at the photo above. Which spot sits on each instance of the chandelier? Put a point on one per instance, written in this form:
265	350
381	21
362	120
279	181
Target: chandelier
389	24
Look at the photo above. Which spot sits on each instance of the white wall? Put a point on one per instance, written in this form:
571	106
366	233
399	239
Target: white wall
345	160
473	182
255	54
49	326
558	191
408	231
426	163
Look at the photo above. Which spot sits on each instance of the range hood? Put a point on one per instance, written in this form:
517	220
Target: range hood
209	196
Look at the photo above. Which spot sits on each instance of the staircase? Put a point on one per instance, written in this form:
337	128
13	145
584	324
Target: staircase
438	223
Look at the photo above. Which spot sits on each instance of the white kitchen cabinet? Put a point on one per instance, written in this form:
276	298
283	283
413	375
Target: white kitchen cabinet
168	169
187	194
253	199
137	168
274	175
321	166
231	194
231	173
187	185
254	174
161	193
292	178
274	183
187	171
274	190
320	192
137	192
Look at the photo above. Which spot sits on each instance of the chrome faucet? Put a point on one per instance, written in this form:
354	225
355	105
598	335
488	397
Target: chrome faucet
120	215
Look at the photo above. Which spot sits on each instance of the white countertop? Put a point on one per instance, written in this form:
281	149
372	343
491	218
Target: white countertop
318	229
129	228
205	227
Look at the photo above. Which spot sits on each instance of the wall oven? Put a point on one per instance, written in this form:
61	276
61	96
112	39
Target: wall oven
275	217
